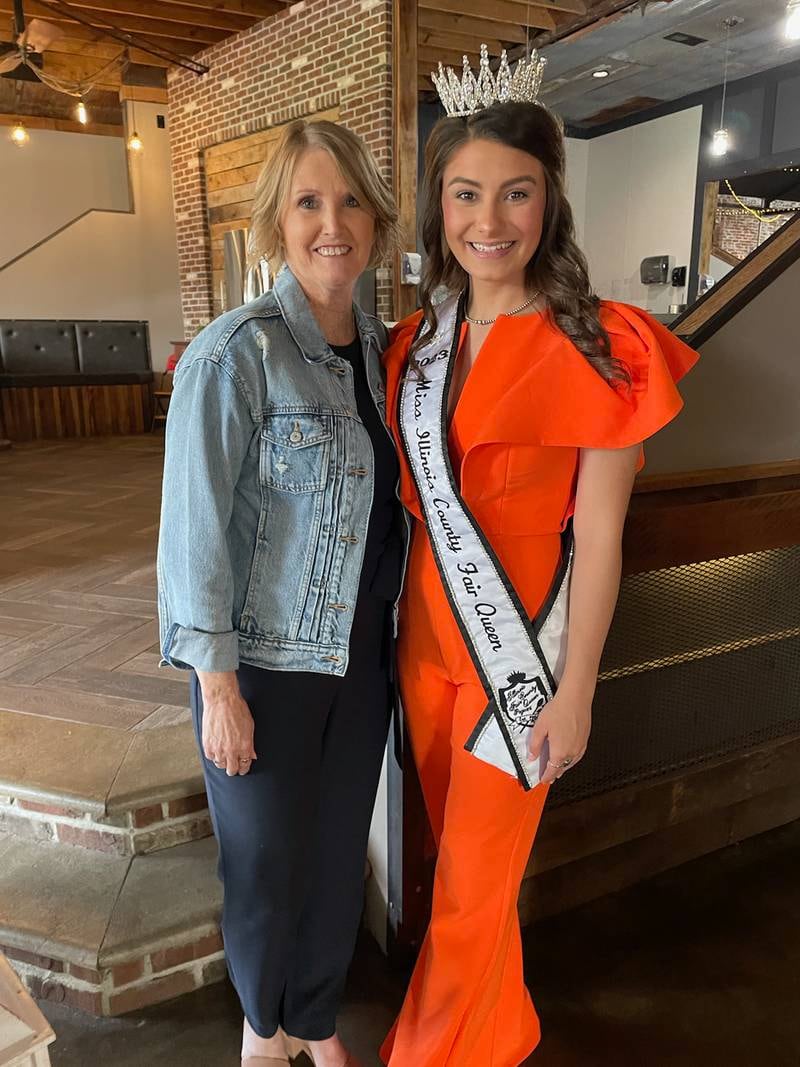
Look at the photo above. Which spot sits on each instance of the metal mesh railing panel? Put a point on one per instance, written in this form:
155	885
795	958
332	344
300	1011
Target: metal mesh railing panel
703	661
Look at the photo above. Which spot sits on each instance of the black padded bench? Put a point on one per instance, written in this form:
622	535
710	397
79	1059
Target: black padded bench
61	378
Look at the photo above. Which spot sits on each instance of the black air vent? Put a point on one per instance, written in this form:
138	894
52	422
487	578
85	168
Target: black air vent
685	38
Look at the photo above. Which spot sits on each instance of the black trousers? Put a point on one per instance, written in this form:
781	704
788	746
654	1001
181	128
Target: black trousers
293	832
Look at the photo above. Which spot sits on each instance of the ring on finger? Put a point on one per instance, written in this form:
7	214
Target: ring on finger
562	766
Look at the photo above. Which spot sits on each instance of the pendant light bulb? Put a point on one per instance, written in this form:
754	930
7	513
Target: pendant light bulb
721	143
19	135
135	142
792	28
81	113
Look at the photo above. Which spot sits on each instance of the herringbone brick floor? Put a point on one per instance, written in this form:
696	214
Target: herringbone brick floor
78	628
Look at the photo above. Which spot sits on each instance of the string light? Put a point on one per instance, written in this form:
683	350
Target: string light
792	27
81	113
752	211
19	135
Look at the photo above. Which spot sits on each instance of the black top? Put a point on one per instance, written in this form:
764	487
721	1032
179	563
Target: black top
380	573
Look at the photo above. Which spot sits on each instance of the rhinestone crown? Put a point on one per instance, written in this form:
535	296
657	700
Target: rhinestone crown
473	94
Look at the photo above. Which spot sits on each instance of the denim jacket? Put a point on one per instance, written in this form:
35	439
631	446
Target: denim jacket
268	483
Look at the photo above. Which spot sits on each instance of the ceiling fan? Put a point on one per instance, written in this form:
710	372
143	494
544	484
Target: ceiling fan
20	59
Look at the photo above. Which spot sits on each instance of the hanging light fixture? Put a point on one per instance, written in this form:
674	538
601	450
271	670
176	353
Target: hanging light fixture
792	28
81	113
721	141
135	143
19	135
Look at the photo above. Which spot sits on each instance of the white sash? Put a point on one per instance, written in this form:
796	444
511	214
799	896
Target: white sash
519	662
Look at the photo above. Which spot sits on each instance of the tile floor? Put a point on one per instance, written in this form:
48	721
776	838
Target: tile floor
695	968
78	629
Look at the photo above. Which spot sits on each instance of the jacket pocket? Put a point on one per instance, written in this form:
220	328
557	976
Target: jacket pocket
295	451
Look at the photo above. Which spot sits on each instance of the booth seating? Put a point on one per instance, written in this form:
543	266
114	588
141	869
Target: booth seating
63	378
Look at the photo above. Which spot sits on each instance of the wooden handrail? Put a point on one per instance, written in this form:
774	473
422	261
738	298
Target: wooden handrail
654	483
740	286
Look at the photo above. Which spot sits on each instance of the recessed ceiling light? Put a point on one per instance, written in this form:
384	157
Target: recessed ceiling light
603	72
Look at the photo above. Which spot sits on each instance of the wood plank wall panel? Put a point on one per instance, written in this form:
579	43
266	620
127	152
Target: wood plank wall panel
47	412
605	843
231	169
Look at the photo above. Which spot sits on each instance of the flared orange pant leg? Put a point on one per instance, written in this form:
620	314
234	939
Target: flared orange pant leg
467	1005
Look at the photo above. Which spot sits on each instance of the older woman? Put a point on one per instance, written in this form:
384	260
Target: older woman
280	558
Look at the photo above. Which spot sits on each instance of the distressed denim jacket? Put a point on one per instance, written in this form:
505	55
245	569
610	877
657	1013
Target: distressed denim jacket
268	484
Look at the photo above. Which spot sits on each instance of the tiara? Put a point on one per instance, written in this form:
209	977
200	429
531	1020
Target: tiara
473	94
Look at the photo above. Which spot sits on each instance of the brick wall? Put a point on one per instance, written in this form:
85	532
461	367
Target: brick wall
738	232
318	54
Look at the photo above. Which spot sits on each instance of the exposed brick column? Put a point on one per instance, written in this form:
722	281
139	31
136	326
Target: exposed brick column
316	55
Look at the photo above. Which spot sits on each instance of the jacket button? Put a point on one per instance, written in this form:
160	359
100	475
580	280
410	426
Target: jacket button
296	436
351	540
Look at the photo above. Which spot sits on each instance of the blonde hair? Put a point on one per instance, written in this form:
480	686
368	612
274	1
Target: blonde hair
357	167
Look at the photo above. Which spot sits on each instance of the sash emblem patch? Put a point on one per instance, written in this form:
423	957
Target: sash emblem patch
522	700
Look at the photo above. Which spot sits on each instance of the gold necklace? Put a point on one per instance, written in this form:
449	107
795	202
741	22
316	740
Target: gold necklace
516	311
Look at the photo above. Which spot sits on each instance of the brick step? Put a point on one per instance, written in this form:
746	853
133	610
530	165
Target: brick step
107	933
121	792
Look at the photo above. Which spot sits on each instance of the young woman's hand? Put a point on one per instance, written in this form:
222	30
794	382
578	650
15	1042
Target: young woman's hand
228	725
565	723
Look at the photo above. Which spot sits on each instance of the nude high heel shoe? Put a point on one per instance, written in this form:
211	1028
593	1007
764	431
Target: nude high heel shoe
296	1046
266	1061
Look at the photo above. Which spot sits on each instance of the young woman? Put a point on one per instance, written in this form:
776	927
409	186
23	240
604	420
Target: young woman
519	406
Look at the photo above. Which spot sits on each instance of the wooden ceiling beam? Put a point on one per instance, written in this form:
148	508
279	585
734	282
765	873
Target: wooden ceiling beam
82	69
145	93
207	17
104	52
39	122
573	7
478	29
499	11
429	58
81	41
198	36
432	39
254	9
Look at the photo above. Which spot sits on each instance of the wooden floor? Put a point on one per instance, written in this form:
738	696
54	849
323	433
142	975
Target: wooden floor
78	627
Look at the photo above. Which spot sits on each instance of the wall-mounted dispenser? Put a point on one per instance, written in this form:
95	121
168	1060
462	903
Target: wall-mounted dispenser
678	277
654	270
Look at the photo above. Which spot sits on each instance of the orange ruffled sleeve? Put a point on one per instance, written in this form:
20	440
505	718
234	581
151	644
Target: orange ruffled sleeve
588	412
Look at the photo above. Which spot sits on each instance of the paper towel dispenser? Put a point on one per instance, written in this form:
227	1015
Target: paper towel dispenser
654	270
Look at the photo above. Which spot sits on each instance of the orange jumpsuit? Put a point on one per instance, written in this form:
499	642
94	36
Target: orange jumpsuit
530	402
